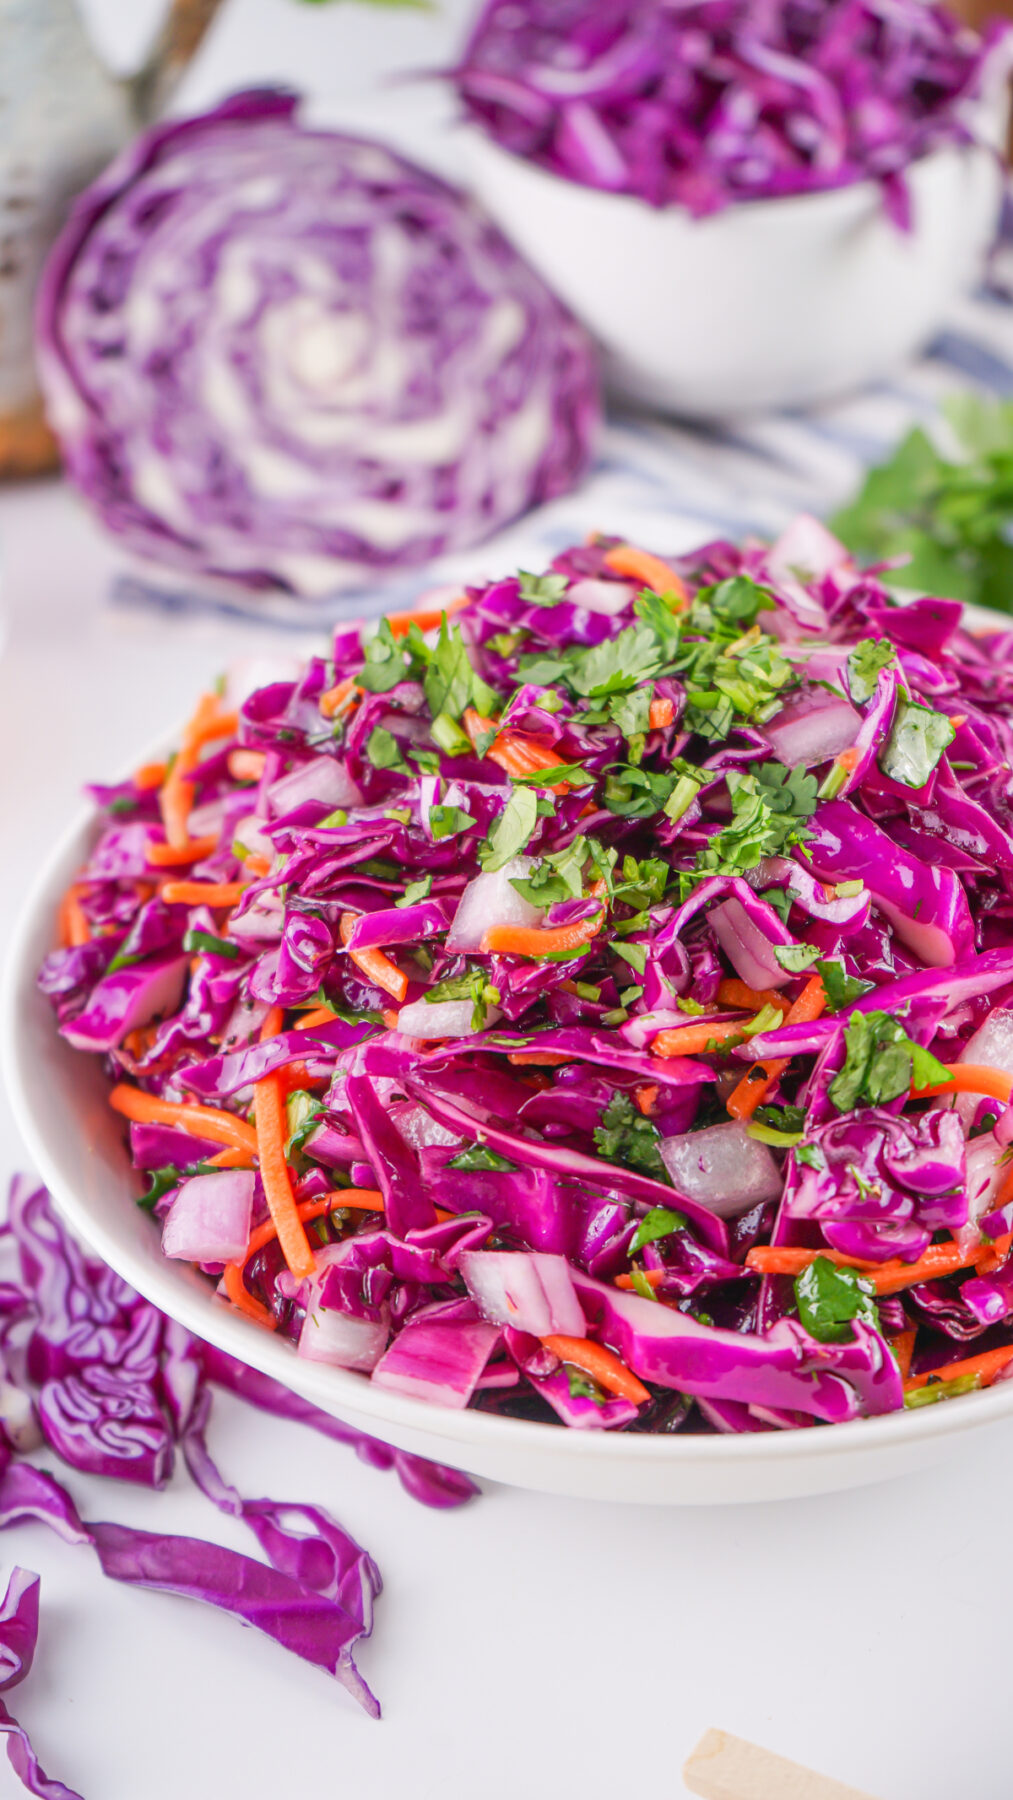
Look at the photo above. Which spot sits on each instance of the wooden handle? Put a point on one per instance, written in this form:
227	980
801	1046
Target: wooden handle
177	43
728	1768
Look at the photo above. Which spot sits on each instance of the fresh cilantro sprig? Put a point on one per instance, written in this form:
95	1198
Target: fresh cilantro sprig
770	807
625	1136
881	1063
472	984
829	1299
951	518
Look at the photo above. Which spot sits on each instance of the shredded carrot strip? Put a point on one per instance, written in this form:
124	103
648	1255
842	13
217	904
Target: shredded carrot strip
987	1365
161	855
376	967
150	775
203	893
73	925
231	1159
886	1278
529	940
272	1130
246	765
241	1298
660	713
321	1015
427	618
389	1018
645	1098
199	1121
338	697
514	751
650	570
256	865
903	1348
653	1278
970	1078
538	1059
176	798
733	992
743	1101
602	1365
993	1258
692	1040
272	1024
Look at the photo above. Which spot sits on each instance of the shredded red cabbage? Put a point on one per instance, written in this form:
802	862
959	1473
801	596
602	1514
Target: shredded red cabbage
292	359
112	1386
717	101
600	1030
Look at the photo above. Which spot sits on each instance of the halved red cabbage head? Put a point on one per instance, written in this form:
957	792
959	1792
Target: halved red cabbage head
292	359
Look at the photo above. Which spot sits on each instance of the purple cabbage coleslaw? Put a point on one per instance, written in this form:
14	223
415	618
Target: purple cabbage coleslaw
627	955
290	359
702	104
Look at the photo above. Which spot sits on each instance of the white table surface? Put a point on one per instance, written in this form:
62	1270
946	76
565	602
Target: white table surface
525	1646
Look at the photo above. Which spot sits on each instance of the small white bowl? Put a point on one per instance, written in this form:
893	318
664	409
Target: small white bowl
59	1098
769	303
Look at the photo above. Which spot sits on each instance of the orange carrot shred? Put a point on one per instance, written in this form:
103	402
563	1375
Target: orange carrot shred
377	968
241	1298
692	1040
987	1365
199	1121
538	1059
650	571
272	1131
970	1078
645	1098
903	1349
602	1365
73	925
231	1159
321	1015
530	940
732	992
427	618
744	1099
203	893
256	865
246	765
195	850
653	1278
660	713
150	775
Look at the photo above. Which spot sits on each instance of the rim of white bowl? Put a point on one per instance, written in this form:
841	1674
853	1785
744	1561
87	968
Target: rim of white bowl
849	197
338	1390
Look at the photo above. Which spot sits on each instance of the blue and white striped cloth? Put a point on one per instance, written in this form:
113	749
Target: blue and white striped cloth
670	486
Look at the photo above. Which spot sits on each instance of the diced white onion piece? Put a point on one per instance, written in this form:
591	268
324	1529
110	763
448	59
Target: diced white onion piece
442	1019
991	1044
251	834
209	1220
806	737
419	1128
323	778
806	550
749	952
722	1167
530	1290
206	820
985	1174
331	1336
609	597
492	900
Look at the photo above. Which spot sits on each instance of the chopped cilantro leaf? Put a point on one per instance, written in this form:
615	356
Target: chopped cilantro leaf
864	664
383	750
829	1298
840	988
542	590
509	834
480	1157
660	1222
917	740
881	1063
449	821
625	1136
